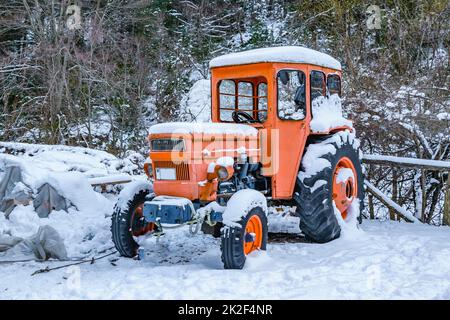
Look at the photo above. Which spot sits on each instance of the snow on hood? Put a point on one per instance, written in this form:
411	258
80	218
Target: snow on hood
205	128
288	54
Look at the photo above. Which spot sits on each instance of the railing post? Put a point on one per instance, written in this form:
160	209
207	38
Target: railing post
446	218
371	208
423	186
392	213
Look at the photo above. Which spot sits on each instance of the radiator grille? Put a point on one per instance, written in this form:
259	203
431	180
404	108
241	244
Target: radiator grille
167	145
182	169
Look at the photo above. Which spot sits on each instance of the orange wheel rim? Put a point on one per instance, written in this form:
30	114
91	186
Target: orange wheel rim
344	191
253	235
138	225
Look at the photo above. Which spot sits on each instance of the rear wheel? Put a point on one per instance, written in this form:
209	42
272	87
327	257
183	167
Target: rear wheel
240	241
332	190
128	223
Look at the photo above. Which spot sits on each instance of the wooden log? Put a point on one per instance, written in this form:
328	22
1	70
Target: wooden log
110	180
389	203
433	165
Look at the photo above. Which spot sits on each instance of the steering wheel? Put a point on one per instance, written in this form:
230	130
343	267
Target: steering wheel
241	116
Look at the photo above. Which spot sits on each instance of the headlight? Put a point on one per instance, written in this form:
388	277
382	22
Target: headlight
222	173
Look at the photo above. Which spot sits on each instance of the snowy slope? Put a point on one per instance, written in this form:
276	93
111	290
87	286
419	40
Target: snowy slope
60	158
388	261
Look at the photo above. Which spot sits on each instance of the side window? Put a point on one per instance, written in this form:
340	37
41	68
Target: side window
262	102
317	84
245	95
227	92
334	84
291	95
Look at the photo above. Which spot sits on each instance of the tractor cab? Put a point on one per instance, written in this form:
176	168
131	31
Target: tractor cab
268	87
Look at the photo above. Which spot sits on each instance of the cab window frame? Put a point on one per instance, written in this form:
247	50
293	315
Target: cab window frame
254	98
324	85
278	94
331	76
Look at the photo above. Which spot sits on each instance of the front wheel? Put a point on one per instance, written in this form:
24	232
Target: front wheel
128	222
250	234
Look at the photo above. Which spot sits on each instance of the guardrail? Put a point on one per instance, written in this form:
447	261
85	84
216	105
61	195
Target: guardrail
410	163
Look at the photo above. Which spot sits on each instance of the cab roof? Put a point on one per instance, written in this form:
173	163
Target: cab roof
288	54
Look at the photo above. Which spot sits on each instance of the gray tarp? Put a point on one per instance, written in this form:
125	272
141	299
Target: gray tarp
47	200
7	242
13	191
43	245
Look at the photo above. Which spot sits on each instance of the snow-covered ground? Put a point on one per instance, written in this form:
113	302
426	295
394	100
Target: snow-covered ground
388	260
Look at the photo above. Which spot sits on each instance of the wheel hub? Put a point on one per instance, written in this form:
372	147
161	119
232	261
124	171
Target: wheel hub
253	235
344	185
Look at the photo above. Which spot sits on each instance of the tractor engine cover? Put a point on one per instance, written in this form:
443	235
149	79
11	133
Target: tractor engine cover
170	210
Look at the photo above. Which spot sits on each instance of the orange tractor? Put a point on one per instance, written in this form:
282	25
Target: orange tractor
277	137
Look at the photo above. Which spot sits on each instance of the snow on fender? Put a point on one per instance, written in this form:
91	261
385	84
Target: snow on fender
130	190
241	203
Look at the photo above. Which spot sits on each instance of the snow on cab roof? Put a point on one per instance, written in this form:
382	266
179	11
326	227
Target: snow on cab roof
205	128
288	54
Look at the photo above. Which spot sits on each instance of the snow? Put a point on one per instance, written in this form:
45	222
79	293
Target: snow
344	174
286	54
378	260
282	220
443	116
312	162
241	203
130	190
84	232
60	158
350	226
196	105
110	179
175	201
70	170
222	161
210	207
327	114
205	128
424	162
76	188
225	161
390	260
318	184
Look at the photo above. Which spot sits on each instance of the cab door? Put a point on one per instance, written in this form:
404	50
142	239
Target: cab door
291	121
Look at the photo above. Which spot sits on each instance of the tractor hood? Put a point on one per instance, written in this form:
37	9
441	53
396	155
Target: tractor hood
203	128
